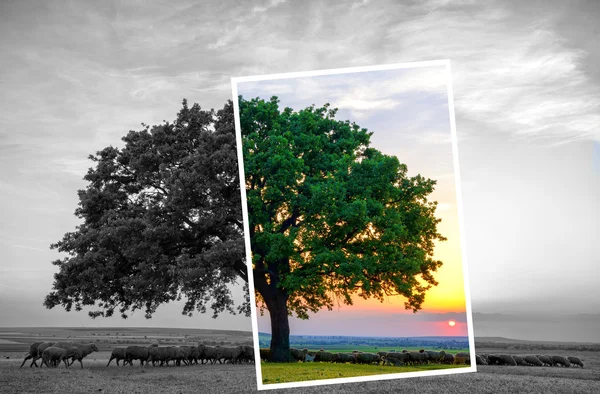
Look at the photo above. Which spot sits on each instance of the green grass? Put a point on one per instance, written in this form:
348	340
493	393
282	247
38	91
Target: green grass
297	372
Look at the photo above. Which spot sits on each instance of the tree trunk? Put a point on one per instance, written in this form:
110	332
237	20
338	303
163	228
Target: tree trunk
280	327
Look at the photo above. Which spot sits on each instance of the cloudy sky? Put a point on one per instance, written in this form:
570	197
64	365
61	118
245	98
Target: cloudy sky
77	75
407	110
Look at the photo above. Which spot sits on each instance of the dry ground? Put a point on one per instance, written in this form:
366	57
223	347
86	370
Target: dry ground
222	379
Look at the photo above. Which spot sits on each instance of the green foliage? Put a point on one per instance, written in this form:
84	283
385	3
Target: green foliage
161	220
331	216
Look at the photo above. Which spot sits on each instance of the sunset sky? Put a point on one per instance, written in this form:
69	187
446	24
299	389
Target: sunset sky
77	75
407	111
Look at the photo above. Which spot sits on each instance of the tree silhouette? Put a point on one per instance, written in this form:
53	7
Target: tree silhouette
161	221
330	216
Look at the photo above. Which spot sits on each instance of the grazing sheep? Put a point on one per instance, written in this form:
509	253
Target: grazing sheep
229	353
501	359
54	355
265	354
393	358
368	358
344	357
32	352
533	360
479	360
448	359
575	361
435	357
418	357
138	353
519	360
462	359
545	360
560	360
118	354
297	354
324	356
508	359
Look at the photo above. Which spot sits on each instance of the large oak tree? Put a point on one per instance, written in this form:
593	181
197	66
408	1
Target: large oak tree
330	216
161	220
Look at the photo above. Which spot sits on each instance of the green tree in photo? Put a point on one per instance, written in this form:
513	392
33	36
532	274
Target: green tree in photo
161	220
330	216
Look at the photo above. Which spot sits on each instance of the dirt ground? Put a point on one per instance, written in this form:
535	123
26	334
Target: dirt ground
95	377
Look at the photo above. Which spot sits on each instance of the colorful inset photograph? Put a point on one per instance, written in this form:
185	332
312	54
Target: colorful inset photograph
353	215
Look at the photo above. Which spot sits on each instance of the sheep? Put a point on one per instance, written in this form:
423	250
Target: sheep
40	351
344	358
479	360
229	353
138	353
324	356
265	354
532	360
501	359
393	358
297	354
508	359
85	348
545	359
462	358
79	352
448	359
418	357
54	355
519	360
247	353
209	353
575	361
561	360
32	352
159	354
118	354
436	356
368	358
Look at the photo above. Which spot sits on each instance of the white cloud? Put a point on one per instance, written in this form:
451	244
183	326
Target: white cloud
520	77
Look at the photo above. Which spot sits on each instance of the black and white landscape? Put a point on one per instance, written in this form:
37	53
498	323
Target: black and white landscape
77	76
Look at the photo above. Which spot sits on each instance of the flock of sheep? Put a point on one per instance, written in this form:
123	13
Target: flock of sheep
406	357
53	353
530	360
393	358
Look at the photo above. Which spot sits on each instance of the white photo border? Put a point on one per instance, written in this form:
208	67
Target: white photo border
254	316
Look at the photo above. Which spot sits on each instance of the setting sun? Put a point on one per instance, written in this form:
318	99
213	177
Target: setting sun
451	323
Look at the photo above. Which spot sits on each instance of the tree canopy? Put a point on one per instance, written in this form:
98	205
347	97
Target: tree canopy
161	220
330	216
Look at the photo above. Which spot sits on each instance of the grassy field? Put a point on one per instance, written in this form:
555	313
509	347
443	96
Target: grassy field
298	372
222	379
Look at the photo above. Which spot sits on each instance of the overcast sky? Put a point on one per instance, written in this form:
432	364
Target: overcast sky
77	75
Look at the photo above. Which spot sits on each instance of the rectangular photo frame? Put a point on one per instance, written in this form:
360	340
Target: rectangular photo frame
353	224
